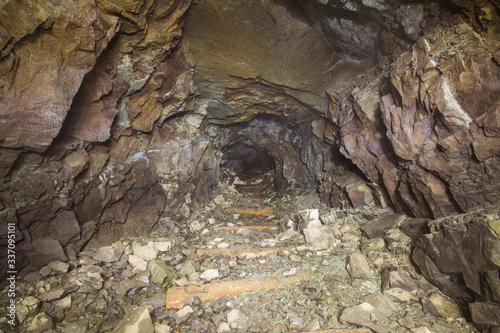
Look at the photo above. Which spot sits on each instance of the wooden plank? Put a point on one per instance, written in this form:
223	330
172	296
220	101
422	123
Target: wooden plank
179	296
255	227
258	212
242	252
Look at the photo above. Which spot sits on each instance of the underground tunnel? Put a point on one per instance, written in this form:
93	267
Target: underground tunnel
250	166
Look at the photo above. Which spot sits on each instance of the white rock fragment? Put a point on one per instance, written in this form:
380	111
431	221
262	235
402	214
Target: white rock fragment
146	252
237	319
210	274
163	246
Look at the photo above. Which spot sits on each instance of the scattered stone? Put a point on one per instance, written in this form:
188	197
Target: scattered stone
366	315
407	321
377	228
41	323
358	267
237	319
183	315
373	244
223	328
108	254
124	286
138	263
403	280
440	306
64	303
381	303
210	274
485	314
317	237
309	218
162	328
422	329
52	295
146	252
159	271
136	320
219	200
59	267
400	295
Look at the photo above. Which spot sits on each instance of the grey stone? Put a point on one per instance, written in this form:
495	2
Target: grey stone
223	328
159	271
136	320
377	228
59	267
381	303
400	295
124	286
237	319
108	254
318	238
366	315
440	306
162	328
183	315
146	252
486	314
358	267
403	280
41	323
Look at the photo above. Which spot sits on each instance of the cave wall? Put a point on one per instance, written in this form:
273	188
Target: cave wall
113	113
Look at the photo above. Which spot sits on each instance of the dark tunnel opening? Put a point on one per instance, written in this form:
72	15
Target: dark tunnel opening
249	162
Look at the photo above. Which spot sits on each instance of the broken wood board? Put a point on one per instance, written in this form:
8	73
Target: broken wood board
256	227
178	296
243	252
258	212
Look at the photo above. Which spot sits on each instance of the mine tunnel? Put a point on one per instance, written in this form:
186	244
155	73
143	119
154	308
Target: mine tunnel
250	166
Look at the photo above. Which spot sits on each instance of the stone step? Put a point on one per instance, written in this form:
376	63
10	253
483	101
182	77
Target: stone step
177	297
242	252
250	227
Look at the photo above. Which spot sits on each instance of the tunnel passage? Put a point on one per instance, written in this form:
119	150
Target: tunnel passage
248	161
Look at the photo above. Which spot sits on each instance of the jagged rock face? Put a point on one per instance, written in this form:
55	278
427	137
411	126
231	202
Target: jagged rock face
114	114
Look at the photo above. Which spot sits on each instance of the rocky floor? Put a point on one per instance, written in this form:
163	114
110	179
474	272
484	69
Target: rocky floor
345	281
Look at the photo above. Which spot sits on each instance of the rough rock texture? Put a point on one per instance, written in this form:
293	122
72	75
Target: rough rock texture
118	117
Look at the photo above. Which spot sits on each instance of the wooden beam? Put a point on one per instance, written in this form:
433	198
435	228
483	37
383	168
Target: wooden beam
179	296
242	252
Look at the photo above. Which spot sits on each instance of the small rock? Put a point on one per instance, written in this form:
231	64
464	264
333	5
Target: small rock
159	271
136	320
222	245
183	315
224	328
309	218
162	328
401	279
219	200
422	329
381	303
210	274
146	252
486	314
187	269
325	263
124	286
317	238
373	244
59	267
407	321
294	257
237	319
52	295
163	246
41	323
65	303
138	264
366	315
400	295
440	306
108	254
378	227
291	272
358	267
